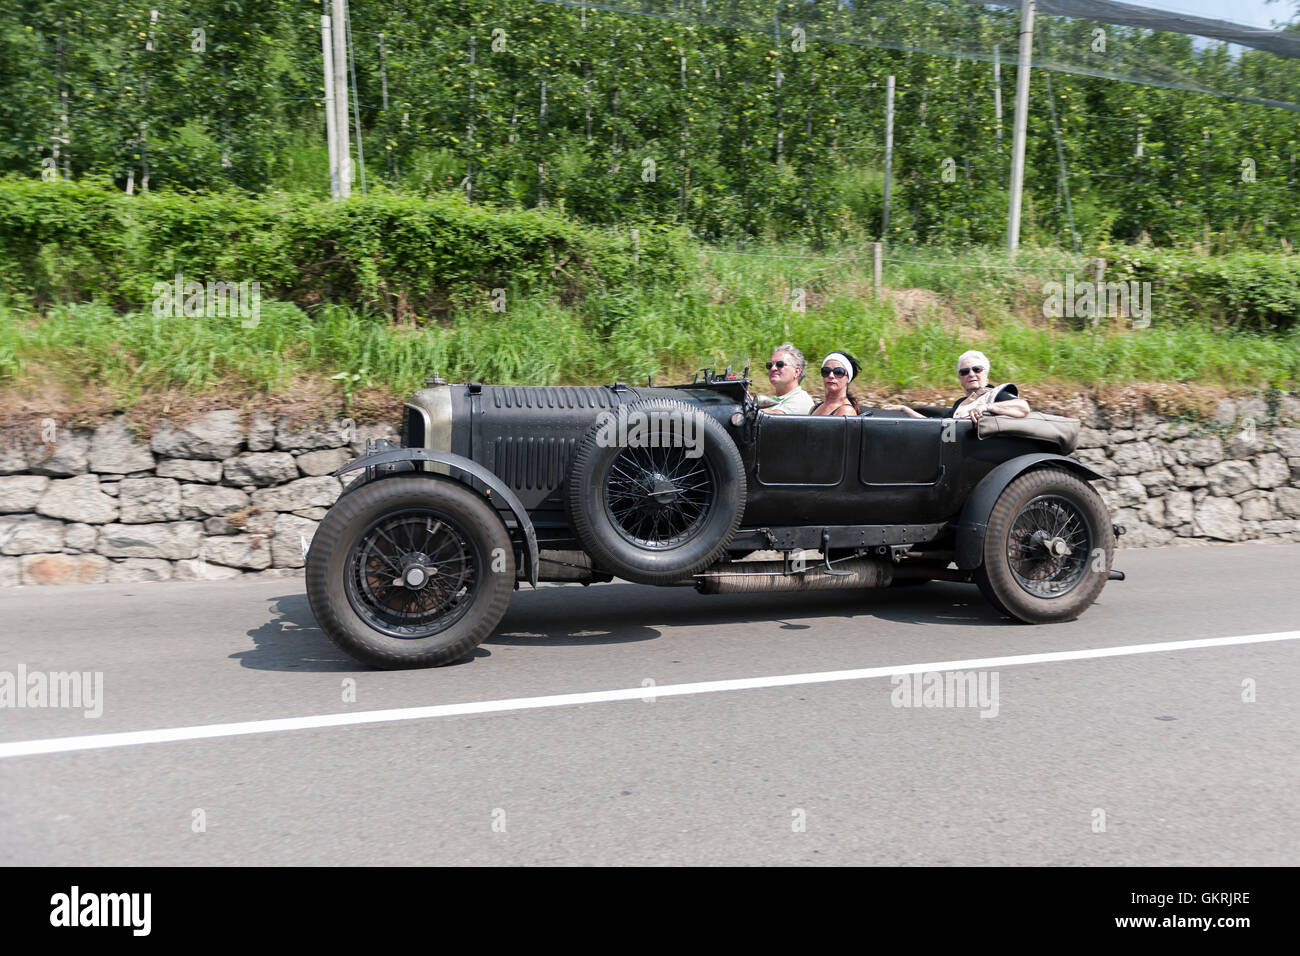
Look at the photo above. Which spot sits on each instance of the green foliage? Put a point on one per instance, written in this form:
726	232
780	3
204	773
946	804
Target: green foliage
383	253
726	303
1242	289
748	137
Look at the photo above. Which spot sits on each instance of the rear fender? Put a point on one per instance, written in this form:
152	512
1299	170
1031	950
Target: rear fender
466	472
974	521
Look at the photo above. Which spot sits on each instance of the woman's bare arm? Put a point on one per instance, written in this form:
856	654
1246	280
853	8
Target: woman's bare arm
902	408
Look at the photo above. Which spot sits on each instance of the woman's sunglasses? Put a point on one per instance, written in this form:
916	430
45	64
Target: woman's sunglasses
963	372
837	372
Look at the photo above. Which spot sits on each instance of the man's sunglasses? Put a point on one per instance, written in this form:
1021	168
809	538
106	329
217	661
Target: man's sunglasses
772	365
837	372
963	372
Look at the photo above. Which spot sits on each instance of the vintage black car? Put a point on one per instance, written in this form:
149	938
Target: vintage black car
492	485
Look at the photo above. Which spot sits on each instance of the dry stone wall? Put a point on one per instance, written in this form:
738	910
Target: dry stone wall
1233	478
222	496
207	500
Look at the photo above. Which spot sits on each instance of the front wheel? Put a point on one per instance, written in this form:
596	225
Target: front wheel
1048	548
410	572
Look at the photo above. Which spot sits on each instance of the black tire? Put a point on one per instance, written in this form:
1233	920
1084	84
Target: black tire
1023	575
982	581
370	541
656	514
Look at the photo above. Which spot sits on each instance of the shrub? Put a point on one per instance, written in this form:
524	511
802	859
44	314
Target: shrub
381	253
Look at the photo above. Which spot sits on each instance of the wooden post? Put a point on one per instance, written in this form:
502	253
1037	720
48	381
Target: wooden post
877	266
1099	283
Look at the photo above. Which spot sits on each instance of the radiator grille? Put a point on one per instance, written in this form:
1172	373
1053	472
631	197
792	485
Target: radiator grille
412	428
529	463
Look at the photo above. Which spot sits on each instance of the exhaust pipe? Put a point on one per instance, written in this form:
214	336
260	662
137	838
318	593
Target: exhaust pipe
748	577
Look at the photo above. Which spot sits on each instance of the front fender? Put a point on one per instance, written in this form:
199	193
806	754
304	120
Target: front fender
463	470
974	521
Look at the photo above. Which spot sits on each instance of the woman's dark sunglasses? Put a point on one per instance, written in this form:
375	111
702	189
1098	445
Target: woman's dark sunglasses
837	372
772	365
966	371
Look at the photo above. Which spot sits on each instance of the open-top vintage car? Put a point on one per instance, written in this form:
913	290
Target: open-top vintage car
493	485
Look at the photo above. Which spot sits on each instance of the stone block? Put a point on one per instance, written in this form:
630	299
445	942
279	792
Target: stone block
78	499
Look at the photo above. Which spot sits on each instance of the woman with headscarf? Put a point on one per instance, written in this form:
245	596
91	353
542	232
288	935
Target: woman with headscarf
838	370
980	398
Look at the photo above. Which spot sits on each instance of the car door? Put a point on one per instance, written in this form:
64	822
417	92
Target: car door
903	466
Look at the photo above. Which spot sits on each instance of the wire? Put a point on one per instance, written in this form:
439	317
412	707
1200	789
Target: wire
923	262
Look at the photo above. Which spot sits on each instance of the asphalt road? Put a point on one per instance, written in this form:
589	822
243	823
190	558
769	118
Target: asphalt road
1152	757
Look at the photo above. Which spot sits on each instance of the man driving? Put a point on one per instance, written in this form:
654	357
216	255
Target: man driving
785	373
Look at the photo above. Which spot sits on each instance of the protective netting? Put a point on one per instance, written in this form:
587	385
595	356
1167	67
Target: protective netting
1096	38
737	118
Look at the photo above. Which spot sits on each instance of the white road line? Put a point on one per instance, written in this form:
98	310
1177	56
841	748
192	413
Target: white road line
27	748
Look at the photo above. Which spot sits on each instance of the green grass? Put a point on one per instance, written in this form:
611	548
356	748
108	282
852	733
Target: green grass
631	336
737	301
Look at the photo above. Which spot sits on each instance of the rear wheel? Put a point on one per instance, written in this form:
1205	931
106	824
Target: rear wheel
410	572
1048	548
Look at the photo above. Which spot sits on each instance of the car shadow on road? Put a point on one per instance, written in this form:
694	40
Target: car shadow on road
620	612
293	641
551	623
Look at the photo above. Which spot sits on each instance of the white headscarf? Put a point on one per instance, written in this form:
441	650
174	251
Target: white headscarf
973	358
844	360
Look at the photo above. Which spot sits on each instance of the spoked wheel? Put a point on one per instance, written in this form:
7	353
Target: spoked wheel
657	498
410	572
1048	548
656	492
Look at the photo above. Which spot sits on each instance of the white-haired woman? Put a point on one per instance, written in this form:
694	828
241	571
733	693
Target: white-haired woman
980	398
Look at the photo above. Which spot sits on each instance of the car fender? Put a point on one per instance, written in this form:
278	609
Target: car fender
973	524
462	470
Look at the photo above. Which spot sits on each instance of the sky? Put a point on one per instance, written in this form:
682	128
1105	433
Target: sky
1254	13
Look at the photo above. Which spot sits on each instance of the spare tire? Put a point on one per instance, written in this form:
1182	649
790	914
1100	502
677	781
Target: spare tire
655	491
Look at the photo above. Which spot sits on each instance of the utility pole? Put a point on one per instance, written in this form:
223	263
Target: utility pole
1022	117
341	97
331	134
889	151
